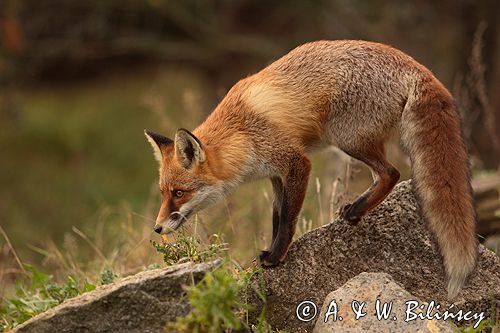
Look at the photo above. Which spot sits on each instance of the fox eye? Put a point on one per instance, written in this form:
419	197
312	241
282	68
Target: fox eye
178	193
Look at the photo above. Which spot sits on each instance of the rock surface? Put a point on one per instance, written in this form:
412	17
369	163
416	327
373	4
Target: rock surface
370	287
394	239
144	303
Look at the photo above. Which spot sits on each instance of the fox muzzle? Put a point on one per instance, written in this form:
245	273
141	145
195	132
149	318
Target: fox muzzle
171	224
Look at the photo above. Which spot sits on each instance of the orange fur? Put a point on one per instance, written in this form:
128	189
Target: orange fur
350	94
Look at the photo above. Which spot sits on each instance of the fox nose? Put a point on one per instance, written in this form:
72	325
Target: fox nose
158	228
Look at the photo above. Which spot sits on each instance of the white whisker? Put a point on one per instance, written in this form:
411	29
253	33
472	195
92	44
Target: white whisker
180	214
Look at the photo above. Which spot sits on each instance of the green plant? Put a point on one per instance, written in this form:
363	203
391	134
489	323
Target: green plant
108	276
262	326
486	326
38	296
215	301
190	248
152	266
219	303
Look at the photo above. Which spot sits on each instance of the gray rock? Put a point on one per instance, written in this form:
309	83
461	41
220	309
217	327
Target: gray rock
394	239
144	303
367	288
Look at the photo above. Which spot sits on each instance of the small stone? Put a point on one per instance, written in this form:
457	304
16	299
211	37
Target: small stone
367	288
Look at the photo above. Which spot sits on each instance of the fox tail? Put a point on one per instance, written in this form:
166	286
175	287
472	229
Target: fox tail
431	133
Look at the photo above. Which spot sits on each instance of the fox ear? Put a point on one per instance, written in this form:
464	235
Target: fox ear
188	148
158	142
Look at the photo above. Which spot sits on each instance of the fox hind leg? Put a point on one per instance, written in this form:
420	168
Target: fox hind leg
386	176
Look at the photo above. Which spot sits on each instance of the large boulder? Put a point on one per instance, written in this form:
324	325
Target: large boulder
141	303
394	239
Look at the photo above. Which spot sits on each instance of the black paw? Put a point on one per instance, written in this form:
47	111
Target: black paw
267	259
351	213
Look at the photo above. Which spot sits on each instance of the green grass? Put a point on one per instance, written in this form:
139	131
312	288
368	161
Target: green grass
486	326
38	292
190	248
37	296
215	302
218	303
108	276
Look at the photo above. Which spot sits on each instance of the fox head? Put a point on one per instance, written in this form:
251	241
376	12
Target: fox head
187	184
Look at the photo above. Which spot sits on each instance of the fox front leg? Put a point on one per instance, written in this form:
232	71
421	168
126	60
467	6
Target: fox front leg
278	192
294	190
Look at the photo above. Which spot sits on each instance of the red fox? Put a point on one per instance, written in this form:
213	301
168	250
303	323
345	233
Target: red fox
349	94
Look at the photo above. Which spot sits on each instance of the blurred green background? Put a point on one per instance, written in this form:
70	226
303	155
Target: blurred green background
80	80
